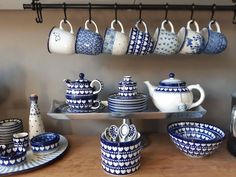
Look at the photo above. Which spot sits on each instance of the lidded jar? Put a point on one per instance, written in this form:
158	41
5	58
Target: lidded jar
127	87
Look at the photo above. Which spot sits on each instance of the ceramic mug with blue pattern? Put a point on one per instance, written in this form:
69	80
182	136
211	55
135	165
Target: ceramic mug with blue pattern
115	42
191	42
88	42
166	42
215	41
140	42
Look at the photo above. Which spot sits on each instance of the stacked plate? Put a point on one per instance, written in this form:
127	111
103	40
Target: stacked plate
9	127
118	103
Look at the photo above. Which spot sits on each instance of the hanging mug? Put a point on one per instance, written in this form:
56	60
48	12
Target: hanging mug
191	41
115	42
140	42
88	42
215	41
166	42
61	41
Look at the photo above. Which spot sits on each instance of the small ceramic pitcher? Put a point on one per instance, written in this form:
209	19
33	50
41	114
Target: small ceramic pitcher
115	42
191	41
166	42
215	41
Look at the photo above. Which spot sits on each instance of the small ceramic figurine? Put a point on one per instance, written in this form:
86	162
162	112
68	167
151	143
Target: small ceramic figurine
36	126
172	95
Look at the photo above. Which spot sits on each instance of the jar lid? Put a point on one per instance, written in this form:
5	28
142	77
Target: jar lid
127	81
172	82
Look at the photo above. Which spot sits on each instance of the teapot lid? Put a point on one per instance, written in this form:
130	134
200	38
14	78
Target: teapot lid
172	82
82	80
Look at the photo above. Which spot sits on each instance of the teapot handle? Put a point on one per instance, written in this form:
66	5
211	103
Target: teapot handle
98	104
202	95
100	86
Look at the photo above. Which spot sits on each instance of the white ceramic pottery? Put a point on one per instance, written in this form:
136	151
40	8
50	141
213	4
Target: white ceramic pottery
166	42
61	41
115	42
191	41
36	126
172	95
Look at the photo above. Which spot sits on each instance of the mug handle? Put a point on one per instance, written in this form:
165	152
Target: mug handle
98	102
195	24
121	26
202	95
100	86
216	24
67	22
86	25
171	25
144	24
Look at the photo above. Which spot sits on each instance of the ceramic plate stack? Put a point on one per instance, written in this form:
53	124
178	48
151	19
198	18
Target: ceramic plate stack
9	127
127	100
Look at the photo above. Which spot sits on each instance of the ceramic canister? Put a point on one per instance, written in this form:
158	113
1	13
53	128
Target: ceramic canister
166	42
140	42
215	41
61	41
115	42
191	41
88	42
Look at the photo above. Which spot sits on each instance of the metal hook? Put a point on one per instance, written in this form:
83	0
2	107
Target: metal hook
115	7
39	18
192	12
166	11
65	15
140	13
90	8
213	12
234	18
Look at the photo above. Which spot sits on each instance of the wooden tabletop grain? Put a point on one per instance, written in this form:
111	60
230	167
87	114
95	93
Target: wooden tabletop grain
160	159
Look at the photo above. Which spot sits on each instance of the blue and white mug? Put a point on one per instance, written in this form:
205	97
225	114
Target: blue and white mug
166	42
115	42
88	42
215	41
191	41
140	42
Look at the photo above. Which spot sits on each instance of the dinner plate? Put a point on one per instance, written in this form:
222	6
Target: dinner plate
10	123
66	109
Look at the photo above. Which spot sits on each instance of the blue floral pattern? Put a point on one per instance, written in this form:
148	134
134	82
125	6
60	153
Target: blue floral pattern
109	41
195	43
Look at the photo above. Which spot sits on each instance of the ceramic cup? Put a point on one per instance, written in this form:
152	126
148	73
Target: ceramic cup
191	41
61	41
21	139
140	42
88	42
215	41
166	42
115	42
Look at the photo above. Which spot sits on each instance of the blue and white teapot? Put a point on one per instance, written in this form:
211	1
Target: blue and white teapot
172	95
81	94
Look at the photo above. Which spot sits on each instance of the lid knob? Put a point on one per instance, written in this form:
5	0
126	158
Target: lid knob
34	97
171	75
81	76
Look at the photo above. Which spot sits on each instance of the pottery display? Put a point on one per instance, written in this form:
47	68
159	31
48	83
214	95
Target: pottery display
88	42
172	95
12	156
166	42
36	126
140	42
115	42
81	95
215	41
61	41
195	139
21	139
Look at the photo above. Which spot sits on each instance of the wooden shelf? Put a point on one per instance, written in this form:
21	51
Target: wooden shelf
160	159
197	112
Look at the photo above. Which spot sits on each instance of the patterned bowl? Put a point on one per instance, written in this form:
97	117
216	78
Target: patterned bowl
12	156
120	158
195	139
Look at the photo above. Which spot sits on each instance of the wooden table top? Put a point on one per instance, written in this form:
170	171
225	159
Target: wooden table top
160	159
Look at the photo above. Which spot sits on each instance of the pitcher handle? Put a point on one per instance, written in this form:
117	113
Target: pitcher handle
98	102
100	86
202	95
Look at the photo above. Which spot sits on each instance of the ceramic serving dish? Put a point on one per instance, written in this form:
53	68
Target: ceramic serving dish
12	156
195	139
45	143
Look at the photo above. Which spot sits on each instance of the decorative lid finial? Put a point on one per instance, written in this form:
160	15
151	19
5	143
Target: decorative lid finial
34	97
81	76
171	75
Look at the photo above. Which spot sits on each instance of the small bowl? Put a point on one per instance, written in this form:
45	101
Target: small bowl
45	143
195	139
12	156
21	139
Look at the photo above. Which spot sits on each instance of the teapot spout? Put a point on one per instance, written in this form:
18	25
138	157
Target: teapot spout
151	88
